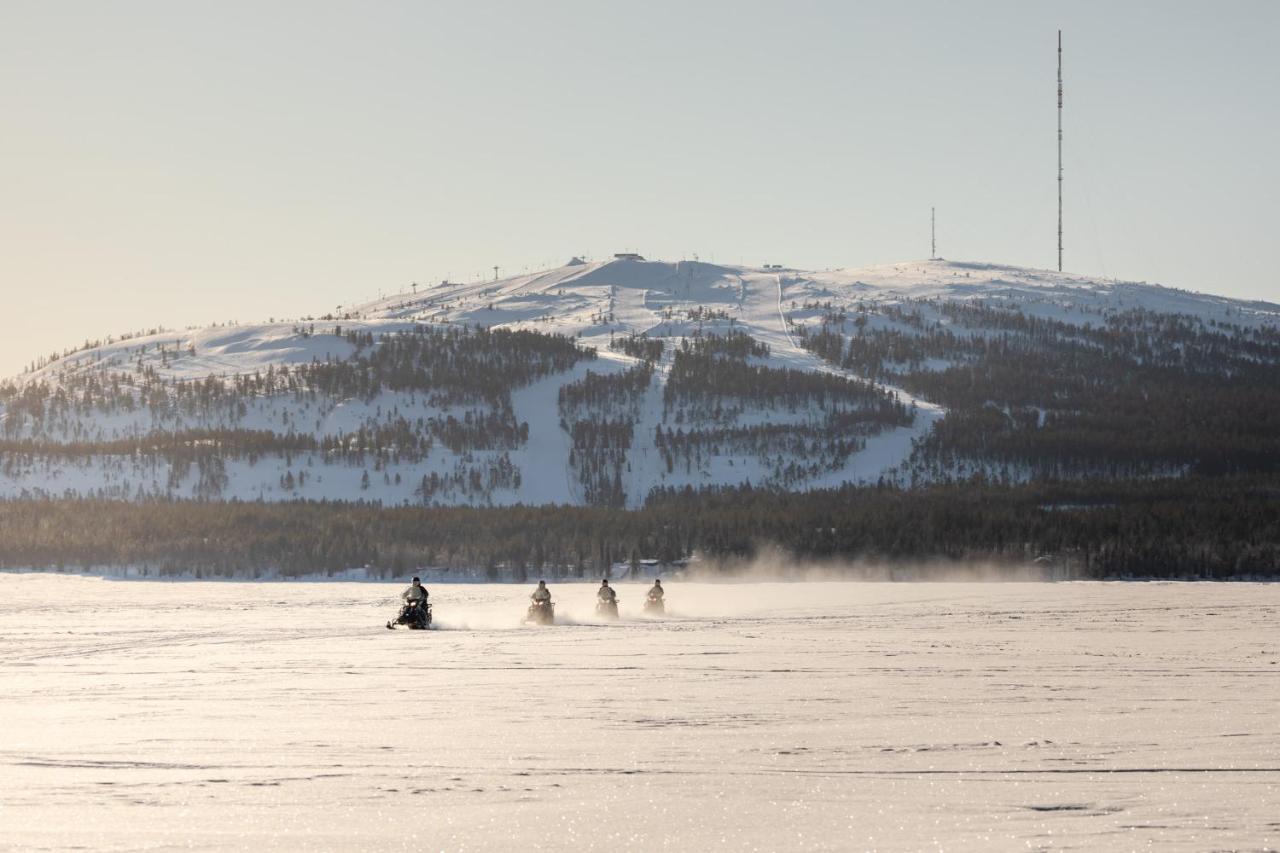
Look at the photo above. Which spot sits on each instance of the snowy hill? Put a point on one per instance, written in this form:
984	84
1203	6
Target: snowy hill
596	383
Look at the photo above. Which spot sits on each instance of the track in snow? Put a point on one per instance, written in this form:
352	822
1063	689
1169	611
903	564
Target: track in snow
821	716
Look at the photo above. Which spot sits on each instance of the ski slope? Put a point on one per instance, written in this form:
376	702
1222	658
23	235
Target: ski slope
823	716
591	302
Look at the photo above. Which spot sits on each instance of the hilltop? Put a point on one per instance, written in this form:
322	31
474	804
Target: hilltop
599	383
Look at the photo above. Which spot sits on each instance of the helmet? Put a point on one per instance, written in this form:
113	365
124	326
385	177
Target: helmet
542	583
415	580
657	581
604	582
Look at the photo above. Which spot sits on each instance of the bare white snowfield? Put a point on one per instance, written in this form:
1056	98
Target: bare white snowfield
824	716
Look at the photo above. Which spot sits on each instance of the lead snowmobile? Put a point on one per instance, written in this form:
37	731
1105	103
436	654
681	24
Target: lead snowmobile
415	615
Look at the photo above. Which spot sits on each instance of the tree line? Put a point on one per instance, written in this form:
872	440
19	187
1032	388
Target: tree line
1192	527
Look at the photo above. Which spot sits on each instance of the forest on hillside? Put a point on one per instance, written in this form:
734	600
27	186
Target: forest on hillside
1192	527
1128	394
450	365
1135	444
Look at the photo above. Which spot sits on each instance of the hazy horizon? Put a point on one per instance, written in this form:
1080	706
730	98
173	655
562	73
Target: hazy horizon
182	166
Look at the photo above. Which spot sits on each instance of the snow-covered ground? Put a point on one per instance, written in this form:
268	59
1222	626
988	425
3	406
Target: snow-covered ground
830	716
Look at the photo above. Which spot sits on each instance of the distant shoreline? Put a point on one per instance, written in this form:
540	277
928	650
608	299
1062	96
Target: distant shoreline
476	578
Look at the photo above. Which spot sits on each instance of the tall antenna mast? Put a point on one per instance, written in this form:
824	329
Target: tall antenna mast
1059	150
933	233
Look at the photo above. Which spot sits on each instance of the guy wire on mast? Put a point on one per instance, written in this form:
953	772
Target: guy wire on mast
933	233
1059	150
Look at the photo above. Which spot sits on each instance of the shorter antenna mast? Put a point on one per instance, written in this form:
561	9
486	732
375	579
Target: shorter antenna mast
933	233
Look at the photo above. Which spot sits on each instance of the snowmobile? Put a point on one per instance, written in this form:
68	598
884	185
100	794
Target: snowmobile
607	609
655	605
541	613
415	615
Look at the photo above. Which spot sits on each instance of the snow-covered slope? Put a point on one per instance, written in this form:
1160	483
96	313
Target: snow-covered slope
92	403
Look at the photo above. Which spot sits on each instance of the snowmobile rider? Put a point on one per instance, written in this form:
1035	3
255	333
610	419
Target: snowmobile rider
656	593
415	594
541	595
606	592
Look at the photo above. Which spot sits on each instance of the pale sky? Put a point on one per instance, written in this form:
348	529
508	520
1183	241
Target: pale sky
176	163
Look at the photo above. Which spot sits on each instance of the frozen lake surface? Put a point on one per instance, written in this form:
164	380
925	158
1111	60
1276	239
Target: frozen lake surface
825	716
